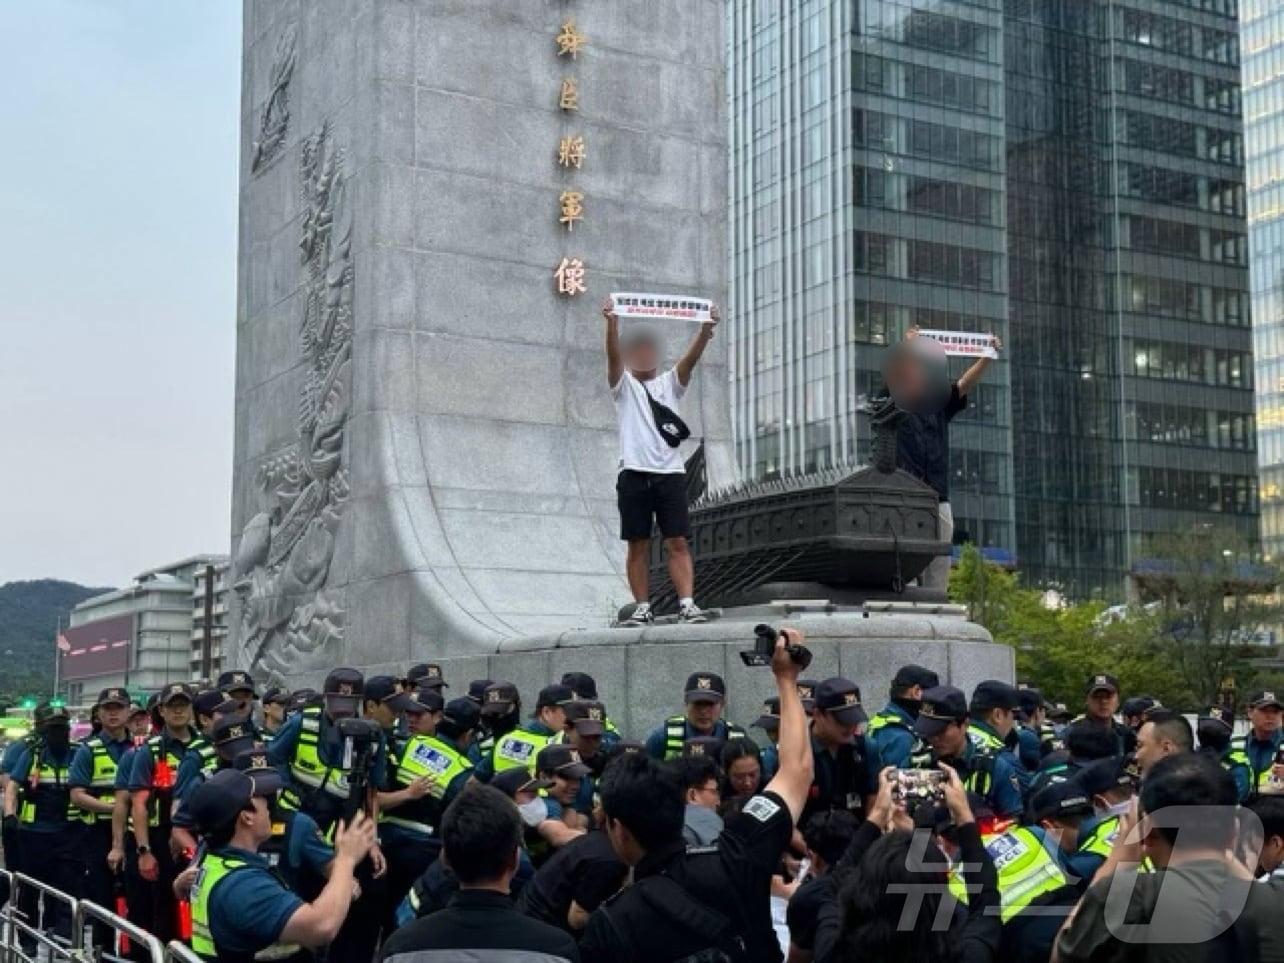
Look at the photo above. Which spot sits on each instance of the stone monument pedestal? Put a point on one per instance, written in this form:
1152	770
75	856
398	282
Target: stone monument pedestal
640	672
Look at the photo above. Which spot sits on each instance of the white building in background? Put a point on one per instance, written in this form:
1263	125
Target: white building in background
138	637
218	619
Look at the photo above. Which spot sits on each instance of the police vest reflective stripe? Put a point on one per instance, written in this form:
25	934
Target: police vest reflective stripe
516	749
957	886
1102	839
883	720
102	781
306	766
46	797
425	756
213	870
164	777
675	735
1260	780
985	740
1048	741
1027	871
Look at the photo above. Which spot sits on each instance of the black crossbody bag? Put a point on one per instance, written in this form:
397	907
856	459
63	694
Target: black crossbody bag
668	422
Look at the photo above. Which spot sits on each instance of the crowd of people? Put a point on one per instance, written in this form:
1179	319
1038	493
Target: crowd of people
380	819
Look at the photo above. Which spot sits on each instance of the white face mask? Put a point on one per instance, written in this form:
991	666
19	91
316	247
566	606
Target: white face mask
1118	809
534	812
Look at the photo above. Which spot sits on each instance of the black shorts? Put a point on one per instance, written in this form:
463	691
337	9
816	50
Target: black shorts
647	499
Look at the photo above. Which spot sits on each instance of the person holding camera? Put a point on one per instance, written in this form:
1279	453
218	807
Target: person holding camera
712	899
652	487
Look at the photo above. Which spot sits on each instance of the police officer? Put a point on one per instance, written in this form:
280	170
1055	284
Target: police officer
705	695
769	723
153	777
310	747
1033	874
585	688
1134	710
943	722
890	734
1100	705
93	789
229	737
845	773
427	675
274	704
240	907
520	745
49	828
1255	751
585	732
501	712
1110	784
993	721
238	685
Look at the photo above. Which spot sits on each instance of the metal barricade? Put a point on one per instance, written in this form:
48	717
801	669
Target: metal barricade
36	932
177	952
139	938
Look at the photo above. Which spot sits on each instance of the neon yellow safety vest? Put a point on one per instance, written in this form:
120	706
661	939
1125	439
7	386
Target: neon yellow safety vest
1102	839
213	870
1027	871
675	735
165	776
518	748
102	782
425	756
957	886
46	797
307	768
1260	781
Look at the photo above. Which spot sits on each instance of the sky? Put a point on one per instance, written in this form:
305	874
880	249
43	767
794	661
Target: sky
119	147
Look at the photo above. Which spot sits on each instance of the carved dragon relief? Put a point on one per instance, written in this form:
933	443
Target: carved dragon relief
288	616
275	119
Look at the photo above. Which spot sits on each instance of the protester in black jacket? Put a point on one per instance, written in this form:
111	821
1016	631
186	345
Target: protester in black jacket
883	875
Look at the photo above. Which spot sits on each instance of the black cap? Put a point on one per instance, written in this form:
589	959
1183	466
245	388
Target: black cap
427	699
554	695
300	698
217	801
705	687
266	777
1103	775
840	698
512	781
710	746
499	699
426	675
581	683
344	682
588	717
908	675
477	689
942	705
1139	705
383	689
113	696
1102	680
1060	800
136	710
1263	698
230	731
807	693
993	694
47	715
770	718
175	690
463	714
236	679
275	695
563	760
1031	700
1220	714
625	747
207	701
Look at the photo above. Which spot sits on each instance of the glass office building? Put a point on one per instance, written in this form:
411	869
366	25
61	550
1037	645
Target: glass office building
1262	45
1066	173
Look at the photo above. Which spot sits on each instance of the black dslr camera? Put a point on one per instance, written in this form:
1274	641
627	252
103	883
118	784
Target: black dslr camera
764	647
360	739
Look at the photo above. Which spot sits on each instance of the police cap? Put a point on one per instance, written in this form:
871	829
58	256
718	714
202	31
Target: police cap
344	682
587	716
770	718
477	689
113	696
705	687
840	698
207	701
426	675
500	699
993	694
1060	800
266	777
462	714
710	746
1263	699
942	705
807	693
1101	681
581	683
554	695
231	734
174	692
911	675
563	760
427	699
217	801
237	680
512	781
383	689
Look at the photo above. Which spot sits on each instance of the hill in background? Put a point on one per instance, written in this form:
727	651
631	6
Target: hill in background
28	614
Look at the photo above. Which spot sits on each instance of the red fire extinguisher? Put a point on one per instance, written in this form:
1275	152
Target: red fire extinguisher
183	909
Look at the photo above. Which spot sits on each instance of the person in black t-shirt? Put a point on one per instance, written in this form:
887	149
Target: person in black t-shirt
576	881
827	835
708	899
923	450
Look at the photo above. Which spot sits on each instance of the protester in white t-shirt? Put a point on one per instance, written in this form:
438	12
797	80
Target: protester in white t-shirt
651	488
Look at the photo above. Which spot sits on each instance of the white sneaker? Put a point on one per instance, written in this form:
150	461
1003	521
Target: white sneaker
692	614
642	615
